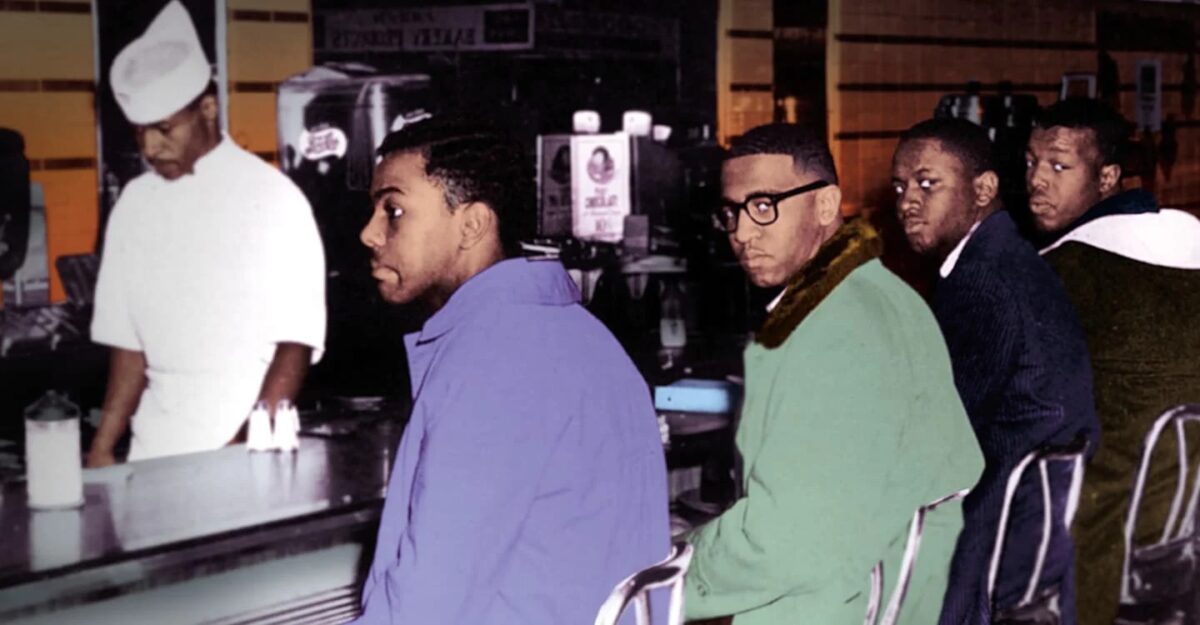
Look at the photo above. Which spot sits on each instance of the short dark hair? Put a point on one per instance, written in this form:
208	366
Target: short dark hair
1110	129
11	142
808	150
473	160
968	142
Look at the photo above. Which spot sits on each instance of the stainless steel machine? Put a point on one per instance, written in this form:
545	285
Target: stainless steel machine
331	119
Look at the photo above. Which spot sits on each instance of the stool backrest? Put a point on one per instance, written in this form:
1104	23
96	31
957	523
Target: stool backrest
635	589
1181	520
1074	454
907	563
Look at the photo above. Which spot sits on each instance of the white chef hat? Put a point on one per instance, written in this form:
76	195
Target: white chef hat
161	72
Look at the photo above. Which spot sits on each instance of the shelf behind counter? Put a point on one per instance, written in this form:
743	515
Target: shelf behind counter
220	536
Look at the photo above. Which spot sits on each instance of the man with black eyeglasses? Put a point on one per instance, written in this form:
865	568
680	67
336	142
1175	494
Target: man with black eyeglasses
851	420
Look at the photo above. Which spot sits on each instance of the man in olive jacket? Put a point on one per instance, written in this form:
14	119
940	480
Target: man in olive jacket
851	420
1132	270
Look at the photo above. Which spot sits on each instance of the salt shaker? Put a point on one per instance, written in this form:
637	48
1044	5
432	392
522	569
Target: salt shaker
259	437
287	427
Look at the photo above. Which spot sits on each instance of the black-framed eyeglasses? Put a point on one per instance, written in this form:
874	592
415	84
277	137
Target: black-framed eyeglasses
763	208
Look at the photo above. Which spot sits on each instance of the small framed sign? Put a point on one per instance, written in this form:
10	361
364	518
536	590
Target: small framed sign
1149	94
1077	85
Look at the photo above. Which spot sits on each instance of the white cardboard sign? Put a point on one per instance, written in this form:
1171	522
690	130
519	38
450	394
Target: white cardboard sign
600	197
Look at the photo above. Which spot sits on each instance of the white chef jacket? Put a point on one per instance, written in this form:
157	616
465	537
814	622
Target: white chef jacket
205	275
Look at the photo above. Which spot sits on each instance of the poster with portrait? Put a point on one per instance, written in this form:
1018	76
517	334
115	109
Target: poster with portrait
600	198
116	23
554	185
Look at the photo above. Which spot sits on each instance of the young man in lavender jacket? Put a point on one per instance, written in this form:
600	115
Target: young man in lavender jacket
530	478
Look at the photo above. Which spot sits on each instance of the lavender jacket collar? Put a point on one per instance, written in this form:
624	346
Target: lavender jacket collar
512	281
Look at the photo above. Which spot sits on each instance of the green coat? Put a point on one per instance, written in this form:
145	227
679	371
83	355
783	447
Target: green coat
848	426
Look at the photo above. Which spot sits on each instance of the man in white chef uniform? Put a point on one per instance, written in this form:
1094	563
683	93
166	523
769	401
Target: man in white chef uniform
211	290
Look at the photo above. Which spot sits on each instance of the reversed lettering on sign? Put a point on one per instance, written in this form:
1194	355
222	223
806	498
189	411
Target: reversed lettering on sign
322	142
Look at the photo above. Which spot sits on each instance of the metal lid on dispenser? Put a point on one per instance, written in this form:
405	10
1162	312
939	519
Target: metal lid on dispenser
52	406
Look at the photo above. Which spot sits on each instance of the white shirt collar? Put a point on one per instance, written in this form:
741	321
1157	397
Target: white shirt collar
210	161
775	302
952	259
217	154
1168	238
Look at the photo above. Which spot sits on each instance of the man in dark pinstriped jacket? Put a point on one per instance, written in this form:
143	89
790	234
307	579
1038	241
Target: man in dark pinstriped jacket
1019	355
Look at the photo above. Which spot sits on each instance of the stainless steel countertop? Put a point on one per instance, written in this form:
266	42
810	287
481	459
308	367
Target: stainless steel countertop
154	506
